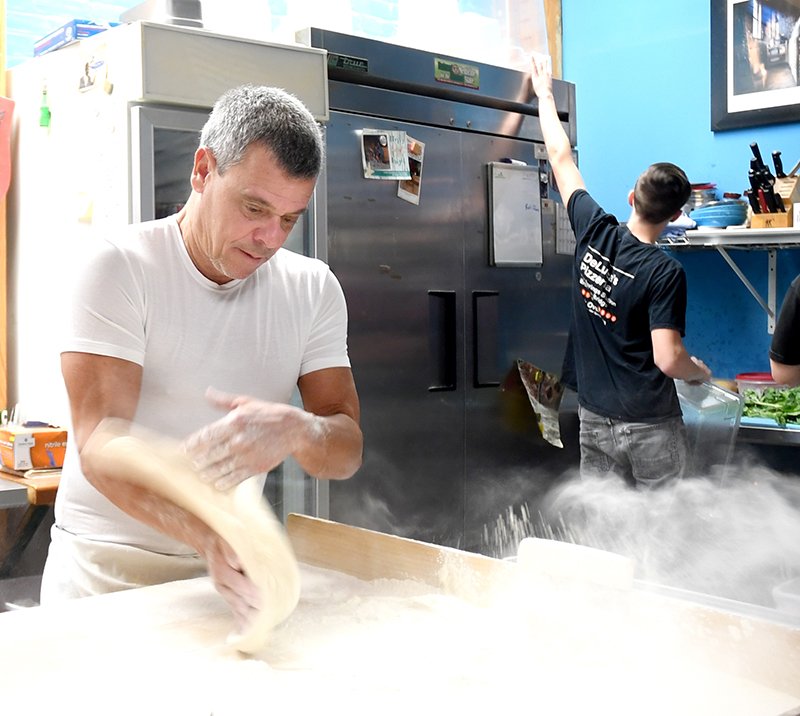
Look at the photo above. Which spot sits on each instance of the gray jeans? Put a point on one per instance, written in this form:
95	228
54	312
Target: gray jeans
643	454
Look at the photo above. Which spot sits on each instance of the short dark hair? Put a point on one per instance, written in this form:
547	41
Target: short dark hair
660	191
271	117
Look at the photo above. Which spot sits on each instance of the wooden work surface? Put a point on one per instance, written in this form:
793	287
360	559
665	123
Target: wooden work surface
41	489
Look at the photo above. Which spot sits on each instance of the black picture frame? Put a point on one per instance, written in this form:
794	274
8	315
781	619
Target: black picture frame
727	69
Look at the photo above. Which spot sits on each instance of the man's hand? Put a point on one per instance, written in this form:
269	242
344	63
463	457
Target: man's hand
703	372
559	150
541	75
254	437
236	588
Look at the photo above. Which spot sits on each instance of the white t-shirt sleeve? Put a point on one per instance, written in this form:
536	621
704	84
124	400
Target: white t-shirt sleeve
106	313
327	341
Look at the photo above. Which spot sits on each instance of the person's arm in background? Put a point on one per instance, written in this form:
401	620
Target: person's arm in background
559	150
784	356
785	374
672	358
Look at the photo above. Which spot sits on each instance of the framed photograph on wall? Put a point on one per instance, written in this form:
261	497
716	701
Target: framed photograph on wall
755	62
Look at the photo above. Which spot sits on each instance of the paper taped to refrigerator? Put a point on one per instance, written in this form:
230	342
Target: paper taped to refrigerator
515	207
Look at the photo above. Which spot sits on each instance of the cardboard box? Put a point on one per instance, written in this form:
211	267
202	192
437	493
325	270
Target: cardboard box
25	448
69	32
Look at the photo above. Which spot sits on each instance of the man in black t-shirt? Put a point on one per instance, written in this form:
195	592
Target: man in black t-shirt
625	343
784	352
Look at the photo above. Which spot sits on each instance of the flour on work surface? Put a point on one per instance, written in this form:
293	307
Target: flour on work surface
398	647
385	647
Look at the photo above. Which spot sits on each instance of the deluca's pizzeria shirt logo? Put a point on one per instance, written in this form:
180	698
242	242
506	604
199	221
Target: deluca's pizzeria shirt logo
598	278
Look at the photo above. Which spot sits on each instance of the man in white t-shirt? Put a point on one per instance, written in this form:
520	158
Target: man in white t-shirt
199	326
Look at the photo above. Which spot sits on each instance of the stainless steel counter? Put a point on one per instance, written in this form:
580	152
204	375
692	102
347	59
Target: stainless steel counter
768	435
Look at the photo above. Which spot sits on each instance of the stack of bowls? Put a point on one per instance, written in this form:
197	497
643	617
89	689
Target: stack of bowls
701	194
728	212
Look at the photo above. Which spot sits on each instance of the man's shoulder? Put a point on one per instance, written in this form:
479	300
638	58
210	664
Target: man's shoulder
579	197
151	234
585	212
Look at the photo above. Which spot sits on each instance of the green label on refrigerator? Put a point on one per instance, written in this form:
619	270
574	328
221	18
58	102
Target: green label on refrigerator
347	62
456	73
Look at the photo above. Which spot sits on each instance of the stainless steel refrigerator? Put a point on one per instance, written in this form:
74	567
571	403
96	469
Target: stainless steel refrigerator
439	310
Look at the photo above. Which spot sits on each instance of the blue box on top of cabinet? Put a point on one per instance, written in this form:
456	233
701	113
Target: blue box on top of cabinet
69	32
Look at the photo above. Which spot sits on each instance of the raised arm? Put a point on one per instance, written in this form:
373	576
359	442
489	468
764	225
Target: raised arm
559	150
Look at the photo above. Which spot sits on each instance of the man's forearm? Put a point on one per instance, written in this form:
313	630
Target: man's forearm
153	510
555	138
785	374
333	447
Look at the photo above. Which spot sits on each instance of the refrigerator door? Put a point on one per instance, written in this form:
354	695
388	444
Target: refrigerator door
402	270
163	143
513	312
434	328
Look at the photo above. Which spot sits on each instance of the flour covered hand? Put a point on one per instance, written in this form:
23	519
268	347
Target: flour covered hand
230	580
254	437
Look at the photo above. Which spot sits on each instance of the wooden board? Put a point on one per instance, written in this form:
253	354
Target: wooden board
370	555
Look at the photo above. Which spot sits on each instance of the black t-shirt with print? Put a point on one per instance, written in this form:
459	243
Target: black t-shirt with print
622	289
785	346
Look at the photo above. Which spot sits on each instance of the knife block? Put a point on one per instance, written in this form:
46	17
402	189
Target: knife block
781	220
788	189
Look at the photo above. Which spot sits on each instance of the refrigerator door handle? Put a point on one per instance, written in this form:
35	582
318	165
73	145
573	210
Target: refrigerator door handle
442	340
485	313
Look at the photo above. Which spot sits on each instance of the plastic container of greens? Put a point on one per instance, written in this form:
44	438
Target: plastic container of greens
755	381
767	403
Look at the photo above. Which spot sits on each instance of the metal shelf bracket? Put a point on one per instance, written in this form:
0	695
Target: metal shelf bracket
769	304
769	240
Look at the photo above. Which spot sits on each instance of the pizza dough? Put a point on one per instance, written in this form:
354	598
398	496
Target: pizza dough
241	516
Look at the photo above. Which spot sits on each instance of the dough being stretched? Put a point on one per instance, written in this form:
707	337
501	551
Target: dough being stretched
241	516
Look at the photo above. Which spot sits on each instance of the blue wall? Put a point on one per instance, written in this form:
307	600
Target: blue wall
642	76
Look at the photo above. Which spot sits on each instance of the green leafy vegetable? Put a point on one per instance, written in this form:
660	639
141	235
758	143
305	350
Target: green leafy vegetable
780	404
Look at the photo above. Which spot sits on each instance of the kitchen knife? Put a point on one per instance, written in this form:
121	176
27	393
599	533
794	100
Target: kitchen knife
774	201
751	197
761	168
756	193
762	202
776	160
